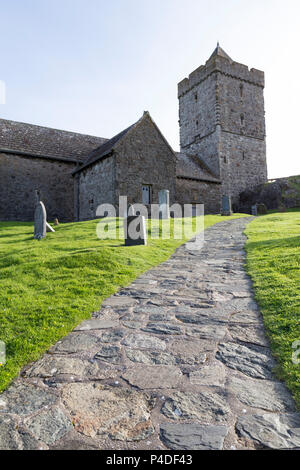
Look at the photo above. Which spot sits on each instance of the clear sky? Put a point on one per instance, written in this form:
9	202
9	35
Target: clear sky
94	66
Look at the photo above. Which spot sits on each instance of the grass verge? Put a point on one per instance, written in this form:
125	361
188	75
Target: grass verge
273	262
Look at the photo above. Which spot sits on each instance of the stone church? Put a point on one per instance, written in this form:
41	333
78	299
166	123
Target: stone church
222	151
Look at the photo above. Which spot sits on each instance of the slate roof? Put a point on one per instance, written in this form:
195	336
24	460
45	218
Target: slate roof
192	167
43	141
220	52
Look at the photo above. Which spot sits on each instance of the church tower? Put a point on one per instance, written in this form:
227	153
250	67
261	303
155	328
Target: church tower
222	122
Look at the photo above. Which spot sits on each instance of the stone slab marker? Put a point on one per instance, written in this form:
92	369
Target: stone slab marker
40	218
135	230
164	204
226	205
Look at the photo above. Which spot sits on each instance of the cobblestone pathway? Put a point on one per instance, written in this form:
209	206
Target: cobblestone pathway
178	360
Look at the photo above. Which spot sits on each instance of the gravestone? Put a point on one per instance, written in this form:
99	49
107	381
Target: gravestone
131	210
164	204
135	230
226	205
40	221
254	210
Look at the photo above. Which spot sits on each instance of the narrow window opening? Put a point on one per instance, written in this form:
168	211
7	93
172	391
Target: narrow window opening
197	123
241	90
242	119
244	155
225	159
196	96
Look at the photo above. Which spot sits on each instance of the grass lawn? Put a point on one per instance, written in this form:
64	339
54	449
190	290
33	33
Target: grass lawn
273	261
48	287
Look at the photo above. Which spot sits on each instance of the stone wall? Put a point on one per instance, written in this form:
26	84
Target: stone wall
145	158
276	194
21	176
45	141
96	186
197	192
197	112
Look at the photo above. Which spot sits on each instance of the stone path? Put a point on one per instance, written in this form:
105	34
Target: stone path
178	360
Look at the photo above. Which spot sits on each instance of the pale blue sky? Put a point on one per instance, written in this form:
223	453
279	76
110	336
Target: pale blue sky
94	66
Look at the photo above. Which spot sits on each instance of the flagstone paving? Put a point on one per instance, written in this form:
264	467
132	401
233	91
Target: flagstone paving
177	360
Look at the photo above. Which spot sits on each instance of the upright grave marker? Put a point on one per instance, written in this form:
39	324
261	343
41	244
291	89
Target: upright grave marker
135	230
226	205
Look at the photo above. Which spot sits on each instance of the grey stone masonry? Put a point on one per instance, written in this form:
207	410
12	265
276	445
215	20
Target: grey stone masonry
177	360
222	121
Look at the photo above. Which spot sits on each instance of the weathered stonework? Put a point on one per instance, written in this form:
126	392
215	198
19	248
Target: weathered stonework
222	121
20	176
191	191
34	157
145	158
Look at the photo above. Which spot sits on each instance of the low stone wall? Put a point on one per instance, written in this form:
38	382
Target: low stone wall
21	176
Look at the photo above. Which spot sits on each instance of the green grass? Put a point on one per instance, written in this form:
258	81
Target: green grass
48	287
273	262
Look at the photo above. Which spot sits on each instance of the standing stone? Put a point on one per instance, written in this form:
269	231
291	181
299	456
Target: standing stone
135	230
40	219
254	210
226	205
164	204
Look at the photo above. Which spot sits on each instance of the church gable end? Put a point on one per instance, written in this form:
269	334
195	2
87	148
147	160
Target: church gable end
145	159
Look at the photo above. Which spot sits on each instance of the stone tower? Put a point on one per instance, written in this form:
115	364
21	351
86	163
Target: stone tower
222	121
